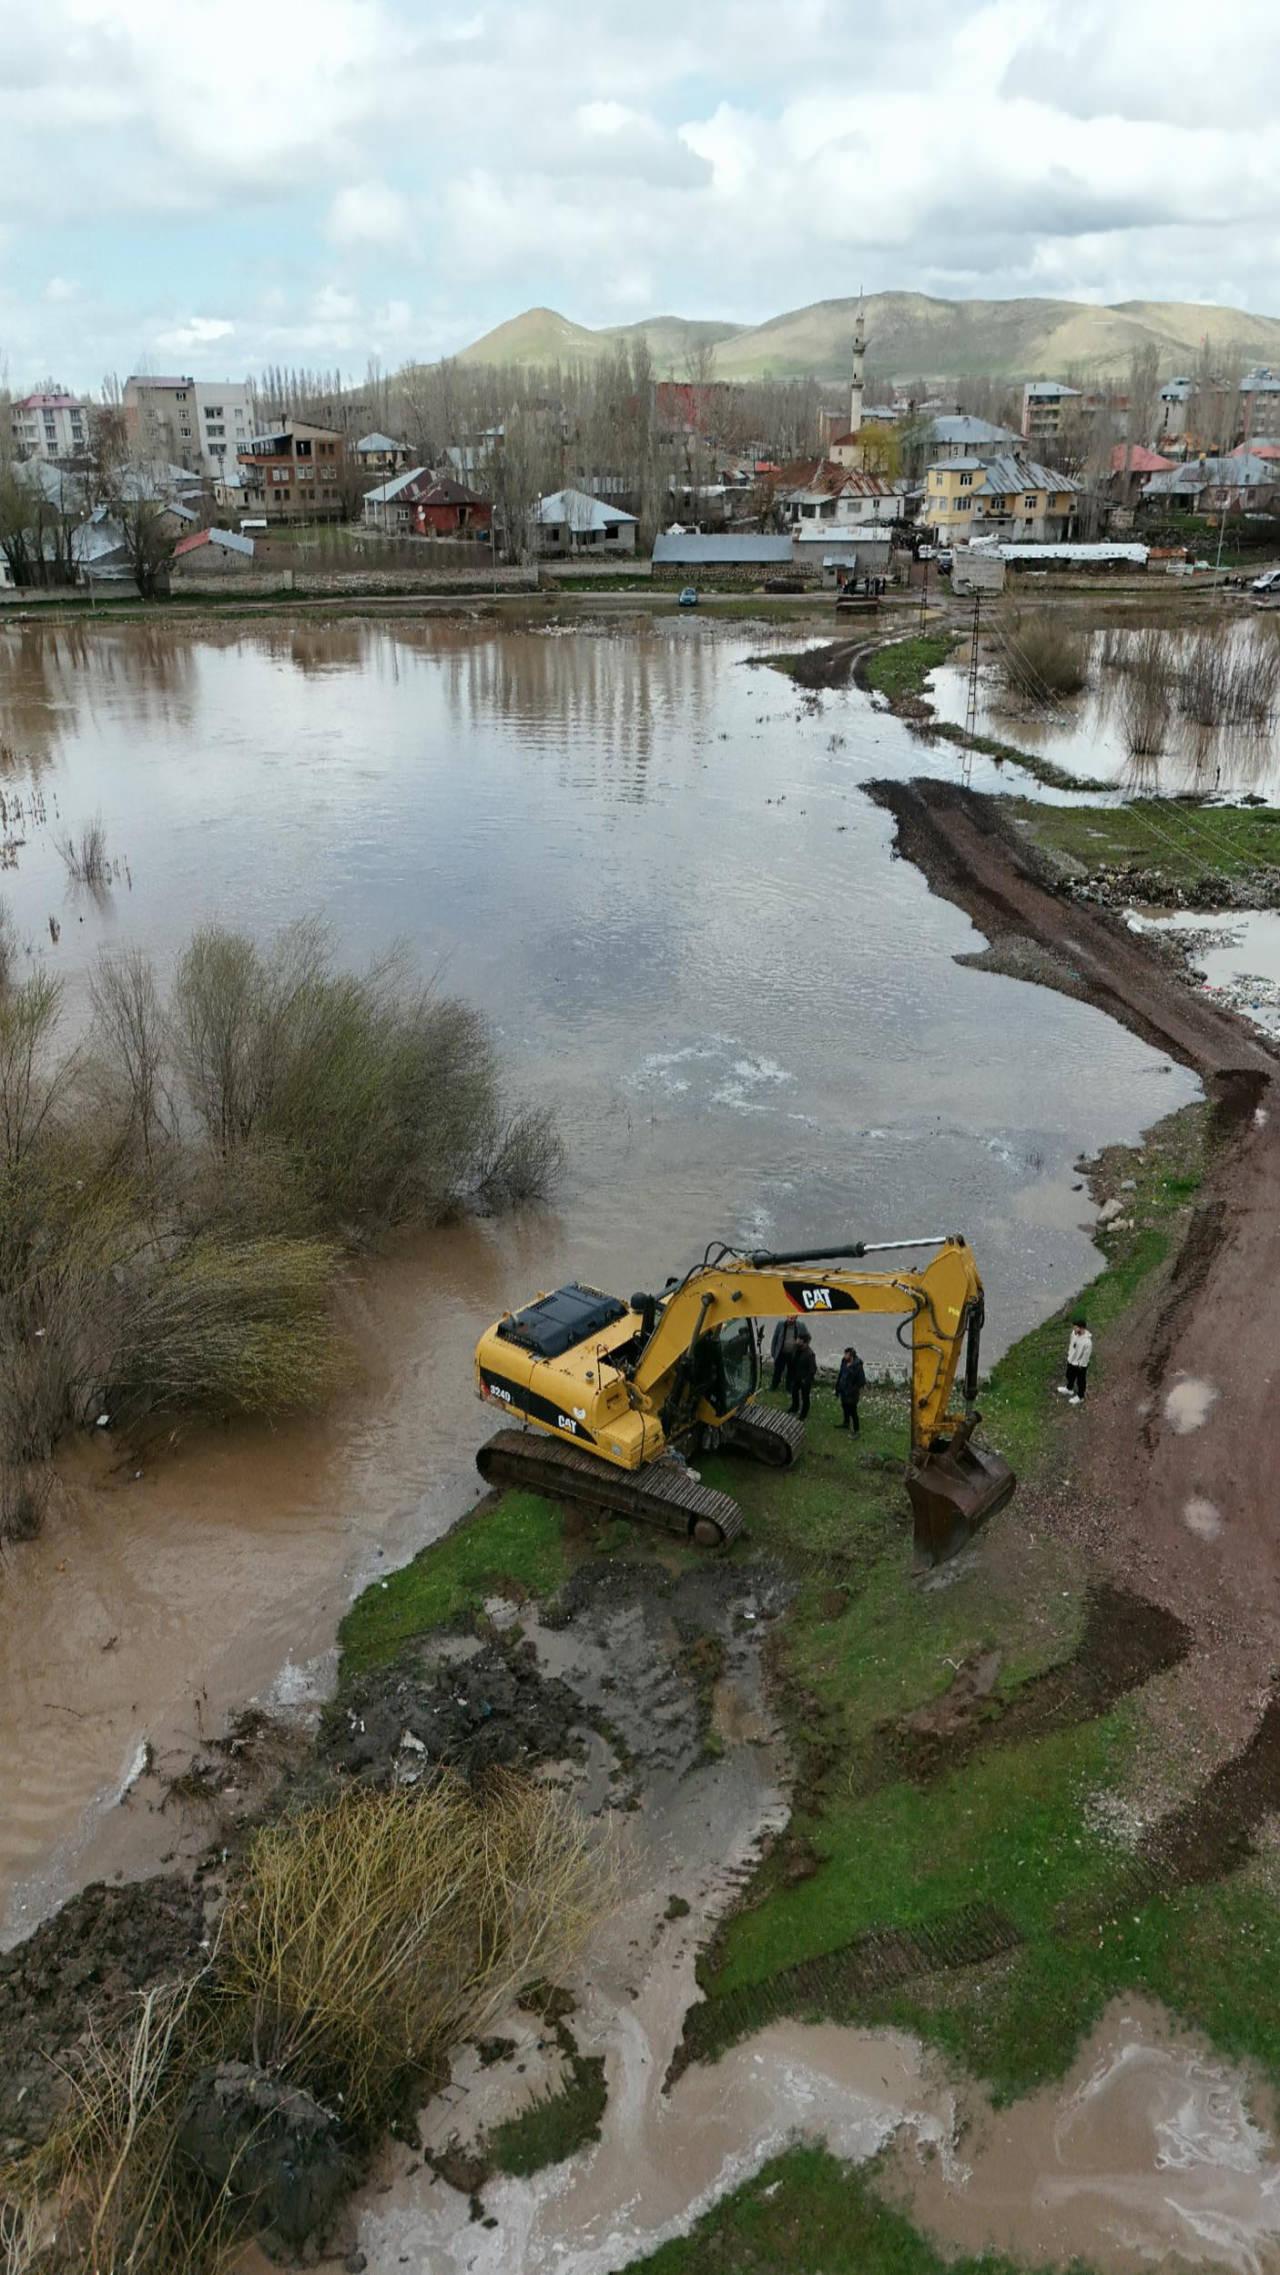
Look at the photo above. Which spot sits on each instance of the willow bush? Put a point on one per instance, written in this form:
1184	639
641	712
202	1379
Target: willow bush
175	1194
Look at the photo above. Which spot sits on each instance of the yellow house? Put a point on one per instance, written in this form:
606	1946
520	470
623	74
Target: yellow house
1005	497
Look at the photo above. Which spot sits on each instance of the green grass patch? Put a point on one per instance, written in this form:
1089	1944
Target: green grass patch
904	666
811	2215
1020	1826
554	2128
517	1539
1188	842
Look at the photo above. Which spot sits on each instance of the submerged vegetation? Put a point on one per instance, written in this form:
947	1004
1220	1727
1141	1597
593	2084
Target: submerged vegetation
1045	656
178	1189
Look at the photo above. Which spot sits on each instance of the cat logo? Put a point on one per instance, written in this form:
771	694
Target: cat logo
566	1422
806	1297
816	1299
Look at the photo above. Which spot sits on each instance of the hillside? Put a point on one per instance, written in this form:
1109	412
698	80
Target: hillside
909	336
541	336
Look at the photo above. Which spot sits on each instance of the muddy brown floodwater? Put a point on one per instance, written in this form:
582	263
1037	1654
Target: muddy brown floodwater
652	864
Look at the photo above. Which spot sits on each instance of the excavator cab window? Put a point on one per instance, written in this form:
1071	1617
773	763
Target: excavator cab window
726	1368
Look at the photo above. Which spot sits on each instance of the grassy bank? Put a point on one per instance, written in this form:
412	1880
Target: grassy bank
1191	843
810	2214
1017	1841
902	669
900	672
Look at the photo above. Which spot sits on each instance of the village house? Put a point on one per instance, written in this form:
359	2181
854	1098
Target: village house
294	472
1237	483
1132	464
833	496
211	553
1001	497
420	503
382	454
959	435
571	522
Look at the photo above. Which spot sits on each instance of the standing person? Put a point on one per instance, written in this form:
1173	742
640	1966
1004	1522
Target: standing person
804	1367
1079	1353
850	1383
781	1350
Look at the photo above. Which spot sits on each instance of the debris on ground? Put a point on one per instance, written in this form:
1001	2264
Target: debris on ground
491	1710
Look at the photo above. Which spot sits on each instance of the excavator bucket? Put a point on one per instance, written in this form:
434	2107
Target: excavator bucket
952	1490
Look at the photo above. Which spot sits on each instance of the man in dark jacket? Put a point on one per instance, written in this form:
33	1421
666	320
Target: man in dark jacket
782	1350
849	1387
804	1367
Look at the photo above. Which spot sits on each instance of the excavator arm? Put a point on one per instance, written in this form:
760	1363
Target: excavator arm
951	1483
943	1302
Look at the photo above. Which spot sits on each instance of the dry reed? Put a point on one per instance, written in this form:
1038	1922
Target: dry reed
361	1940
1146	700
1045	656
86	856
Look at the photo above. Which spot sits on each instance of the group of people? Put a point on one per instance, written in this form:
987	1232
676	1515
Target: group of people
795	1364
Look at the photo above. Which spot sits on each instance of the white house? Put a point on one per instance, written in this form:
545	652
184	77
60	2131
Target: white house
570	522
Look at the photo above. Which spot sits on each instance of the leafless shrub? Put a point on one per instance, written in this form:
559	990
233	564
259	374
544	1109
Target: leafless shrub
1230	684
1146	701
132	1049
24	1497
8	947
221	1326
86	856
525	1159
1045	655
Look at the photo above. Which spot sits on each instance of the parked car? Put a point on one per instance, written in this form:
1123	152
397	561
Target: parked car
1269	581
944	557
924	552
687	597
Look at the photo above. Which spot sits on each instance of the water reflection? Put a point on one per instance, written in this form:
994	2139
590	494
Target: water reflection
1087	734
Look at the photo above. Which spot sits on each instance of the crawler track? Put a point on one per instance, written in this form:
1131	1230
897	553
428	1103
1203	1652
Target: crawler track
766	1435
664	1493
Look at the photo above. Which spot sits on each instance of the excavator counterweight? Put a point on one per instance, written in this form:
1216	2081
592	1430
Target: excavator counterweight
609	1402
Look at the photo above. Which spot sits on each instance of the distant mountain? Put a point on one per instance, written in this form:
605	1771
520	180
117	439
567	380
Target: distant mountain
909	336
541	336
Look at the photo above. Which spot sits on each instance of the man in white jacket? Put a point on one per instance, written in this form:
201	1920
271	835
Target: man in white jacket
1079	1353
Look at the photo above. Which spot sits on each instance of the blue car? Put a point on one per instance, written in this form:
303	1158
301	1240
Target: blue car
688	597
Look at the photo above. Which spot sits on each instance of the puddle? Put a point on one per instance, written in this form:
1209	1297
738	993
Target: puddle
1189	1404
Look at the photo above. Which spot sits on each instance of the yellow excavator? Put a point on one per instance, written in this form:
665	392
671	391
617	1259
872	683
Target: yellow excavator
614	1399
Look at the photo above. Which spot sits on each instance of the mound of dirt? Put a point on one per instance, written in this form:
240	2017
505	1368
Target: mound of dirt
83	1966
276	2149
489	1710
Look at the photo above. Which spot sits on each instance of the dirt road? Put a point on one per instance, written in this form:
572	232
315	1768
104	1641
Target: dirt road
1171	1482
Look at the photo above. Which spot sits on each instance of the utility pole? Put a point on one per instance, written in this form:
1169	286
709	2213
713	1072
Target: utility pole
924	594
971	705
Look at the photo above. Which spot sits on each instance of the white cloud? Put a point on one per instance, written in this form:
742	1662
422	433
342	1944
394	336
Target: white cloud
600	160
59	289
370	213
197	332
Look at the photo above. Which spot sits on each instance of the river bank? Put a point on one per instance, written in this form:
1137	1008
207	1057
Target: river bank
1010	1798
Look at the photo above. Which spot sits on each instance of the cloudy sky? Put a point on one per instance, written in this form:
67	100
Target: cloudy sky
214	184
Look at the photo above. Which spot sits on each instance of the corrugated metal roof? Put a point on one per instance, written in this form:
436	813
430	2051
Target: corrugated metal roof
1004	477
1048	390
1240	471
387	491
377	444
578	510
708	550
962	428
1081	553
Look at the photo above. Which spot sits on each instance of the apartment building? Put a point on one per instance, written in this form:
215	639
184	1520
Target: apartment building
223	422
1005	497
199	424
50	426
294	472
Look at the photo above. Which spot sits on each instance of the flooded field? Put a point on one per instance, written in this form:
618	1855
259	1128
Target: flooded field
651	864
1186	746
